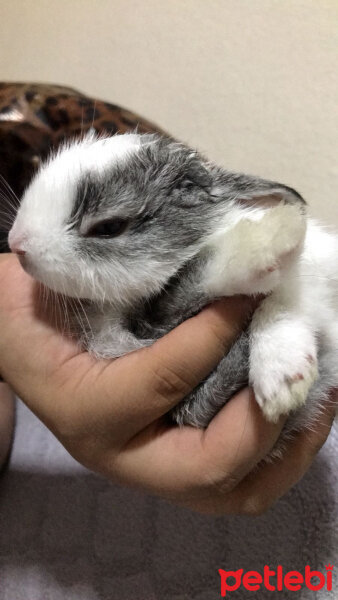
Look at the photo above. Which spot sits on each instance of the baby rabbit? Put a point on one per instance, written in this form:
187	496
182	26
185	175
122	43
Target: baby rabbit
147	232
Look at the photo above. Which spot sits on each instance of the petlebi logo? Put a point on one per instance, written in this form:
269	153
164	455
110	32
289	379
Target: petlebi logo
275	580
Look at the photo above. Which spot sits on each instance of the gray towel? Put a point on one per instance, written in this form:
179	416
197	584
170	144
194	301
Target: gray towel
66	534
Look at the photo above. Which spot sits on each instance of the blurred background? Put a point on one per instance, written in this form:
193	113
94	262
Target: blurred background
252	83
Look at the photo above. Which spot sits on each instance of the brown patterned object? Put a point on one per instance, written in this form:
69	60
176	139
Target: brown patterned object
34	118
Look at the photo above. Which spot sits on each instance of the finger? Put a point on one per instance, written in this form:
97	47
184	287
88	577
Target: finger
204	463
262	488
167	371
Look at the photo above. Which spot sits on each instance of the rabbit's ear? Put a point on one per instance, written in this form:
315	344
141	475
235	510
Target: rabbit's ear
253	191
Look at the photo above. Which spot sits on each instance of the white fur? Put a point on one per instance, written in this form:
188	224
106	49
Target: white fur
259	241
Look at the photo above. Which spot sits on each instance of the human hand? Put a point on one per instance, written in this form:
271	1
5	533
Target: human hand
109	413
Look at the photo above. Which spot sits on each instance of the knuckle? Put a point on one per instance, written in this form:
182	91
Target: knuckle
169	382
220	482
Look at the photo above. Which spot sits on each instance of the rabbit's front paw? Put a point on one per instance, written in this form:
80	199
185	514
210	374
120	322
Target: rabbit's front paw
281	384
